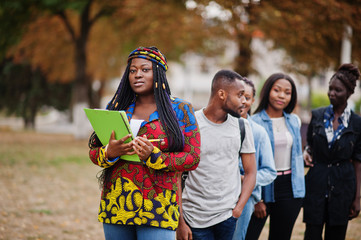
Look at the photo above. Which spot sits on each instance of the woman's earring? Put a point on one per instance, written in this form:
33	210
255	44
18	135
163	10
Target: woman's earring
115	98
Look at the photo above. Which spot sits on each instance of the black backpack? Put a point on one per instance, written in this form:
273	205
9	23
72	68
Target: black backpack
242	130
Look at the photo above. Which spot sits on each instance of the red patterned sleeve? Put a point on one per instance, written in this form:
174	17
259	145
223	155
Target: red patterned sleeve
97	153
188	159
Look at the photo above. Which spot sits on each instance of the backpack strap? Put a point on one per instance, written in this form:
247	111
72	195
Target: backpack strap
242	130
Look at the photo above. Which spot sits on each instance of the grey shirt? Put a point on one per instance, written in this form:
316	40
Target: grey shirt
212	190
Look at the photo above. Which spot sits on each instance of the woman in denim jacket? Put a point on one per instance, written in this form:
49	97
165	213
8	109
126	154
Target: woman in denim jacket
282	199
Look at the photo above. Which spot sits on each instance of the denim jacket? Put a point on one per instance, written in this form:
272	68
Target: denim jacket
266	171
297	167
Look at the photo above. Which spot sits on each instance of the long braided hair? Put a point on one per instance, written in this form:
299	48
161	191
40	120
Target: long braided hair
124	96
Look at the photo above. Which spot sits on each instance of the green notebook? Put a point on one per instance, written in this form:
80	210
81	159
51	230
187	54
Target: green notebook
105	121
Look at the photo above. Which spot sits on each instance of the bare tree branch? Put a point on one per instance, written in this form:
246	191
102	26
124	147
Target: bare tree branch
67	24
101	13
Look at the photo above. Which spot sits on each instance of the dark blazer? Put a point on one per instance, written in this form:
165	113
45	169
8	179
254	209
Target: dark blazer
333	173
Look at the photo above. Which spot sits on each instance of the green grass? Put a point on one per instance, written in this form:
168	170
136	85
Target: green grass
69	159
41	211
41	149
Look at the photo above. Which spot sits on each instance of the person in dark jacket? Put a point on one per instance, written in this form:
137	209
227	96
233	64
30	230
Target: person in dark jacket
333	153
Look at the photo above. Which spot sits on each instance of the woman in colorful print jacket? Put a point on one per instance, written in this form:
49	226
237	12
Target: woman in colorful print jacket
139	200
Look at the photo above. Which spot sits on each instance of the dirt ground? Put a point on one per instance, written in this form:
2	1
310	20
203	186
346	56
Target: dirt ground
49	190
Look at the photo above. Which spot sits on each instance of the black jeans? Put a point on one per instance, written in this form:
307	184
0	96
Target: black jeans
283	212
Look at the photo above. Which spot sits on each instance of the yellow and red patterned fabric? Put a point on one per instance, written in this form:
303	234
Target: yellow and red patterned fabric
146	194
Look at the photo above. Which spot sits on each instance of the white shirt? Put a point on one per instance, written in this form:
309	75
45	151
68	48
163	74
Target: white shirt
282	144
212	190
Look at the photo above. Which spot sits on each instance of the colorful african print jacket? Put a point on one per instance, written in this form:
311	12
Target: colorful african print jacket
146	194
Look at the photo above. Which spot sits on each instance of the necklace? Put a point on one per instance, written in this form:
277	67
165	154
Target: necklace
278	124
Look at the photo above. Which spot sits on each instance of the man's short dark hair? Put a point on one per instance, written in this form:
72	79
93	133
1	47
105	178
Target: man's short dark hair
224	78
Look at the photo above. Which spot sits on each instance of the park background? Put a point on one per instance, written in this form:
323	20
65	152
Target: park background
59	56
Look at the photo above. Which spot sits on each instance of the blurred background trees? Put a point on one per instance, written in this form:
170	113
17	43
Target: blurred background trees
78	45
79	42
313	33
24	90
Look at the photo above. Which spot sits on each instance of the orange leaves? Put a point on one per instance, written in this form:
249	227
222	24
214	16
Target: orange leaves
124	25
46	44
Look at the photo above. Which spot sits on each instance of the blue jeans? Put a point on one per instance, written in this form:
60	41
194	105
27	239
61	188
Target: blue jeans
221	231
127	232
243	220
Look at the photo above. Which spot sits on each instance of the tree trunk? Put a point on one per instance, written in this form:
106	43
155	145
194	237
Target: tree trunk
244	23
309	98
243	60
29	114
346	45
81	85
80	94
96	94
81	91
